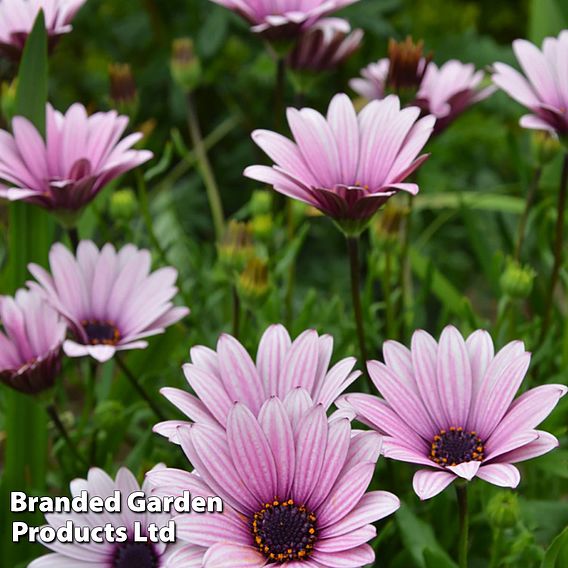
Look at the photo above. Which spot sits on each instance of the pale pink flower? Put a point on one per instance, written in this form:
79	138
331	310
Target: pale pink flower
80	156
108	554
282	19
543	88
110	298
30	347
17	18
450	406
294	486
325	46
296	371
346	165
444	92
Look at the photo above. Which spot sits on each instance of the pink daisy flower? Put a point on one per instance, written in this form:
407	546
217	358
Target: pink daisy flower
17	19
294	487
450	406
110	299
346	165
296	371
444	92
544	87
63	174
30	346
325	46
282	19
108	554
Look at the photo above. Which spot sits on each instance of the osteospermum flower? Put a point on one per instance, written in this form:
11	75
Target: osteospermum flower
282	19
346	165
450	406
30	346
110	299
296	371
444	92
17	18
543	89
79	157
325	46
293	485
107	554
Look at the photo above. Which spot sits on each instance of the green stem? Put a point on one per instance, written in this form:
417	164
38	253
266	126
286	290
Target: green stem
353	249
405	274
531	194
558	246
387	287
139	388
461	489
55	418
73	234
205	169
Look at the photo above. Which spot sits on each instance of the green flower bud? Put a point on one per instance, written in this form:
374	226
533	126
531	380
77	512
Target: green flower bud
545	147
237	246
503	510
108	414
123	204
261	202
253	284
386	225
8	99
517	280
262	226
185	65
123	92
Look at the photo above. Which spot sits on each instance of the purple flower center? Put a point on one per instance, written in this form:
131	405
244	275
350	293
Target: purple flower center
135	555
284	531
101	332
454	446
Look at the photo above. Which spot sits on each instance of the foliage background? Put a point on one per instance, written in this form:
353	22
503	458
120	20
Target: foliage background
463	229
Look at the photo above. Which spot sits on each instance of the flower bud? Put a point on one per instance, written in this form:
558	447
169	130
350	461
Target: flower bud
262	226
123	204
236	247
407	65
123	92
545	146
261	202
387	224
8	100
185	65
517	280
253	284
503	510
108	414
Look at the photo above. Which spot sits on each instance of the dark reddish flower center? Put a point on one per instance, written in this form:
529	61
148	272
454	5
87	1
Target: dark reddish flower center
455	446
284	531
135	555
101	332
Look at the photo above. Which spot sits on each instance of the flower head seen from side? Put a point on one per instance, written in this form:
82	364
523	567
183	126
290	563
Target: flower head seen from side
346	165
17	18
444	92
110	299
80	156
294	486
283	19
108	554
295	371
30	346
325	46
543	88
450	406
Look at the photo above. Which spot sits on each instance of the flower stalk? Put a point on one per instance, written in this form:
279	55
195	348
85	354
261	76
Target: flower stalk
204	166
58	423
461	490
355	267
558	245
533	188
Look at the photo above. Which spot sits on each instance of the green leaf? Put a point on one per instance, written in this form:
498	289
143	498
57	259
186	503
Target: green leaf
419	538
435	559
557	555
29	240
